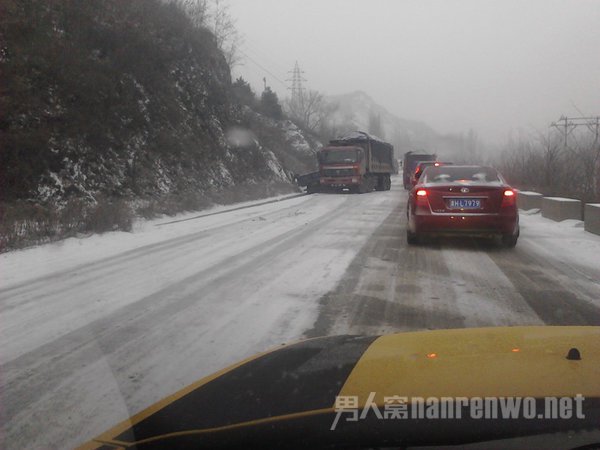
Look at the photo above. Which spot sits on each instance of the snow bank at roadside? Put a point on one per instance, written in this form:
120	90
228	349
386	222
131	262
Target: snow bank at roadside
567	239
42	260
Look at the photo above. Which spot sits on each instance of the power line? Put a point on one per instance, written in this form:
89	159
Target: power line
264	56
567	125
275	77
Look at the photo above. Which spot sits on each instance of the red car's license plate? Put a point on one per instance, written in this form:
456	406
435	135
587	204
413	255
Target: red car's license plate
464	203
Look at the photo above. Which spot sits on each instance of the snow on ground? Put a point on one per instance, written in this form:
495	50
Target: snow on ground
87	279
87	320
566	240
43	260
94	329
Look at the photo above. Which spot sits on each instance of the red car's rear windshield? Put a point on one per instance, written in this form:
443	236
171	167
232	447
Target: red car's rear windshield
452	174
423	165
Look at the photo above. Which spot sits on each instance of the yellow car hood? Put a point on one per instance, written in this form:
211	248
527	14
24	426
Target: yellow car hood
287	397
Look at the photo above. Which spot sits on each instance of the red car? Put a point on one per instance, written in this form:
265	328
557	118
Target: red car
462	200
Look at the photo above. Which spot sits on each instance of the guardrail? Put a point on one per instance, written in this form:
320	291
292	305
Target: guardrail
592	218
559	208
529	200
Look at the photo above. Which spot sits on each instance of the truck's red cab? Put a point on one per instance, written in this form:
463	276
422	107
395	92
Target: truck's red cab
341	166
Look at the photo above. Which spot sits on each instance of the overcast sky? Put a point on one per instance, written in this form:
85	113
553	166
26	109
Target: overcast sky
495	66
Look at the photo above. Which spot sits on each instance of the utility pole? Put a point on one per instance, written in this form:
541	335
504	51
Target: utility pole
566	126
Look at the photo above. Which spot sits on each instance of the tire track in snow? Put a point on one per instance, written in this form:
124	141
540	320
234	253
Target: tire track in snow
216	309
78	297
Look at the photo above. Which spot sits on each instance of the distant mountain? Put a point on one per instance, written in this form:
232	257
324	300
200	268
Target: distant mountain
358	111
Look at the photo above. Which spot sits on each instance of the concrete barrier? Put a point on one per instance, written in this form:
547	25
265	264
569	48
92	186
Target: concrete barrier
529	200
592	218
558	208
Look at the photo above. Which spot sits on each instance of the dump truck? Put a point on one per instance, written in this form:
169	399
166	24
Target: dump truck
357	162
411	159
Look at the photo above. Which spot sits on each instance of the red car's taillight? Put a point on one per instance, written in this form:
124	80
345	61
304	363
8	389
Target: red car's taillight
421	198
509	198
421	202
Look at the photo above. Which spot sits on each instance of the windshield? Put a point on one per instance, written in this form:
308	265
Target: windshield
420	167
340	156
212	234
454	174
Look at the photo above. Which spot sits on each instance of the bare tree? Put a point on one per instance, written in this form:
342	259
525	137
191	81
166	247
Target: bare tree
585	173
309	110
214	15
545	165
472	146
197	10
226	34
552	169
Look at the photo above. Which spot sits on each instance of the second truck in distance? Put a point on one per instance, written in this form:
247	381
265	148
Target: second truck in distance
411	159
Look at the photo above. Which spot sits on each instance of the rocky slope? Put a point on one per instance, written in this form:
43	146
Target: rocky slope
122	99
114	108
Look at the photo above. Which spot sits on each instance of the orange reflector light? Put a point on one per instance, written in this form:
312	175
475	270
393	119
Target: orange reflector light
421	192
516	350
431	355
508	193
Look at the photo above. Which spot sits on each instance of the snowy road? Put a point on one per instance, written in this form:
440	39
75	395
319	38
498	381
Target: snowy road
96	329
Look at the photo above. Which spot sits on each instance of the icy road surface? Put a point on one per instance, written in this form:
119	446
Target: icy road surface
93	330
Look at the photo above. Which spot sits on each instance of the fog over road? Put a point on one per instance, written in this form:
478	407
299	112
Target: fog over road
87	345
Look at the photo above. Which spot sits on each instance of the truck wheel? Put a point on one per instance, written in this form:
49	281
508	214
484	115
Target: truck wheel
366	185
380	186
372	184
